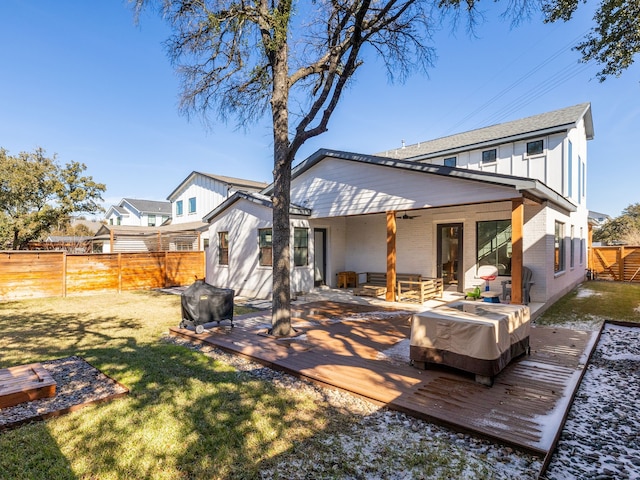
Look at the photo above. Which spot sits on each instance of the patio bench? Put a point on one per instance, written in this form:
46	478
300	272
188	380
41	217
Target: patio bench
420	290
375	284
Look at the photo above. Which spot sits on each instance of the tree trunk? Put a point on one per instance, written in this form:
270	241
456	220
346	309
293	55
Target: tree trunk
281	306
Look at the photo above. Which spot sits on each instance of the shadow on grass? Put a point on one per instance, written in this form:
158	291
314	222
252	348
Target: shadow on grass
186	416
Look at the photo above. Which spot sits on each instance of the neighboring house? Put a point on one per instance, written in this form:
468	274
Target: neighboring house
200	193
598	219
145	225
139	213
66	243
119	238
509	195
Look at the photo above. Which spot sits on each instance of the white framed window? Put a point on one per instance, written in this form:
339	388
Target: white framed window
192	205
223	248
265	240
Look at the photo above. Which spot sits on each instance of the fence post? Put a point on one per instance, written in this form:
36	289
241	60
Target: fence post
119	272
621	263
166	269
64	274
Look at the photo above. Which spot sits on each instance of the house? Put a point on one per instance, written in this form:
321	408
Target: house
132	226
200	193
509	195
122	238
139	213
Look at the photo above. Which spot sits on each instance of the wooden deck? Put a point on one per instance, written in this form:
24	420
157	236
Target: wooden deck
357	349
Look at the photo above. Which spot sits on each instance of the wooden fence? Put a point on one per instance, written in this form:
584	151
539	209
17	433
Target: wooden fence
29	274
620	263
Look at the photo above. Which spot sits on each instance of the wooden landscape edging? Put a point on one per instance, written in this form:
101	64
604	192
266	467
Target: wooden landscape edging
38	274
71	408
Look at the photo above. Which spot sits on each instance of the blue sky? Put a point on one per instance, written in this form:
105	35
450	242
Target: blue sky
82	80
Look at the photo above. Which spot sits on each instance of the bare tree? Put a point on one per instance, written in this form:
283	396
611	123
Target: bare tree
243	58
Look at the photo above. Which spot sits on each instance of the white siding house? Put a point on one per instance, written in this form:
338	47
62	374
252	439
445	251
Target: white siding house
138	213
200	193
448	204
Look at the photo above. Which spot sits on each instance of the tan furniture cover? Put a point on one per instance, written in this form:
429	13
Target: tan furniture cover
478	337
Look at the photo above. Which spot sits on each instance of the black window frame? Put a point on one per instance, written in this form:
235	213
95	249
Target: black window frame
499	254
559	260
300	247
535	147
489	156
449	161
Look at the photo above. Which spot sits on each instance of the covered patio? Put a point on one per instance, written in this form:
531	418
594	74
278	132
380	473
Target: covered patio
362	346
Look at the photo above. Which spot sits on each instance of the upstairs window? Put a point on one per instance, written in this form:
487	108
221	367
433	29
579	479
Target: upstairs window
535	148
489	156
151	220
179	208
265	240
450	162
300	247
192	205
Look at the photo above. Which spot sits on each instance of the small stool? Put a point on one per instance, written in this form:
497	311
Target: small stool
490	297
347	279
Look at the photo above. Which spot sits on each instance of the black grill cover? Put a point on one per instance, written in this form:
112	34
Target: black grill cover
203	303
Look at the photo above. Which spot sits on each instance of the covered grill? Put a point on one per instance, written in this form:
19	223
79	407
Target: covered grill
203	303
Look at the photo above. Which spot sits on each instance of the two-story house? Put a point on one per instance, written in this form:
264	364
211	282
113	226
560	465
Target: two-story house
139	213
199	193
509	195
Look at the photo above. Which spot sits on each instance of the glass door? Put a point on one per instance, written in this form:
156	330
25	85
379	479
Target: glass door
450	254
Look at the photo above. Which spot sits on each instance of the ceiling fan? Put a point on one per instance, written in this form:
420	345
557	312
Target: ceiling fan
406	216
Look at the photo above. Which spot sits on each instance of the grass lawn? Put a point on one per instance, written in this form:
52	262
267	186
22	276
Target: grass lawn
187	415
594	302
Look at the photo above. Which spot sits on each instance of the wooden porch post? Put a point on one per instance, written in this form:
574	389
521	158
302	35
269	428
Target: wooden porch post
391	257
517	224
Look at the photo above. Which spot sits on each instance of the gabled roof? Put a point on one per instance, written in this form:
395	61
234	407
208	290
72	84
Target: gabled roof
521	184
237	183
256	198
153	207
120	211
537	125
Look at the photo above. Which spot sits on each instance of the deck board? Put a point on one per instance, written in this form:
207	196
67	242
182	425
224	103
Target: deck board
523	409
